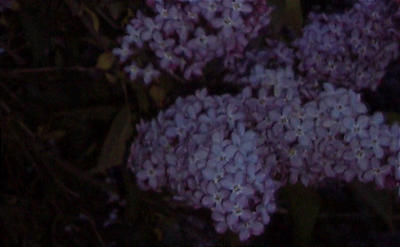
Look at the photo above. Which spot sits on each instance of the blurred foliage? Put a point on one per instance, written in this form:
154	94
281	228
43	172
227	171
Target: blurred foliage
304	205
113	150
67	117
293	14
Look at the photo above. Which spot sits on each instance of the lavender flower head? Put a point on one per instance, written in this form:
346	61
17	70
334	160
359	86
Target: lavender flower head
203	150
230	154
183	36
350	49
226	153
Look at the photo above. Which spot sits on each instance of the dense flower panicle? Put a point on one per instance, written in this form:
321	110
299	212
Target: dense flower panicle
231	153
330	135
184	36
203	150
350	49
276	55
224	152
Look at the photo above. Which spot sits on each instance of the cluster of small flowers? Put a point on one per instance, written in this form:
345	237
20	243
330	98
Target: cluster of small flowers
185	35
231	153
350	49
115	202
275	55
226	153
327	136
203	151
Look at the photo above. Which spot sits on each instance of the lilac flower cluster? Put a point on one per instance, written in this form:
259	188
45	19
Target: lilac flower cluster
184	36
231	153
226	153
350	49
277	54
203	150
329	136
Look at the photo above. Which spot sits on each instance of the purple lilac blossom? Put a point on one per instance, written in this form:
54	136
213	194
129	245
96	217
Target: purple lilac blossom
226	153
330	135
350	49
184	36
231	153
217	164
276	54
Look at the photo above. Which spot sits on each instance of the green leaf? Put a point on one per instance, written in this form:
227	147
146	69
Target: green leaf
379	201
294	15
277	21
95	19
105	61
141	96
114	147
304	205
115	10
158	95
392	117
111	78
